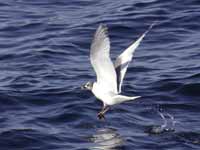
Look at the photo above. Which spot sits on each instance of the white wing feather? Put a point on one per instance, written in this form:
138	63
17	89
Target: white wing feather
121	63
101	62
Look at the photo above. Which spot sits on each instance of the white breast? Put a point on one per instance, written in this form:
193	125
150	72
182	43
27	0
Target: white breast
102	93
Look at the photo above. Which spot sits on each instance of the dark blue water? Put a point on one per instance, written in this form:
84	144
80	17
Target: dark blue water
44	59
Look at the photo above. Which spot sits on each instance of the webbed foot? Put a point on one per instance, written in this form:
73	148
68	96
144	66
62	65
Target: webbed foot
101	115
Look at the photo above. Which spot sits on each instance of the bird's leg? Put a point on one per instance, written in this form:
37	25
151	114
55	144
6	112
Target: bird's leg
103	111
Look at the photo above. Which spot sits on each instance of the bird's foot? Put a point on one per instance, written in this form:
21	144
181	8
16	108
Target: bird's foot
101	115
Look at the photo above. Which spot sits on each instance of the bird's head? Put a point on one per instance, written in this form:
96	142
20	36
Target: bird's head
87	86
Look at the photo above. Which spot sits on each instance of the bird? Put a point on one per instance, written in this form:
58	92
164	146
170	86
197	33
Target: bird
107	86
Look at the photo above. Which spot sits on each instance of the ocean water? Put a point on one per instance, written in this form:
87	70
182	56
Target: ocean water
44	59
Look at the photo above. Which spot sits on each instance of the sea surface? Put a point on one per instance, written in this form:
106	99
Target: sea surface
44	60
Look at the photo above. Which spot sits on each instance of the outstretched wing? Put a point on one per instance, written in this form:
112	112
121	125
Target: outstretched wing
123	60
100	60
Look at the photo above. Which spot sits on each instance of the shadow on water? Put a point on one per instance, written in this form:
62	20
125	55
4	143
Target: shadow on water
106	139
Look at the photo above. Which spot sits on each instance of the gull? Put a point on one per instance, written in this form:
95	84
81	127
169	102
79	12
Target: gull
107	87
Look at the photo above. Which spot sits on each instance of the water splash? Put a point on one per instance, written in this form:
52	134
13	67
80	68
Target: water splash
167	126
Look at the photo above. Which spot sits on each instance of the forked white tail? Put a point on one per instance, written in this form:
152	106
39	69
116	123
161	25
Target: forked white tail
122	98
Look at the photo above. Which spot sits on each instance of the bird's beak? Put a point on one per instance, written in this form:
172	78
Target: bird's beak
83	87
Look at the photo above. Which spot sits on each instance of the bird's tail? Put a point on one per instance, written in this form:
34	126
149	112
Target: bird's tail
122	98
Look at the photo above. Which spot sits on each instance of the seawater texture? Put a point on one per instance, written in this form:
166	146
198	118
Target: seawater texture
44	59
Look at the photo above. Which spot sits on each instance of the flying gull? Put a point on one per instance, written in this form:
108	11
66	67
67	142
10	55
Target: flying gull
110	76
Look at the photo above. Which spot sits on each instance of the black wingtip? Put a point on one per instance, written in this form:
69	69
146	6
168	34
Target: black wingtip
153	24
103	27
